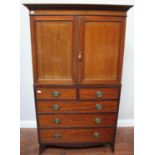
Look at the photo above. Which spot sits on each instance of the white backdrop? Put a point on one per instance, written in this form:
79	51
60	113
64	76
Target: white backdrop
126	112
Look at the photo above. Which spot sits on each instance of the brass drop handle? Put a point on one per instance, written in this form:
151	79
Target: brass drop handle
99	106
98	120
56	121
99	94
56	94
57	136
96	135
56	107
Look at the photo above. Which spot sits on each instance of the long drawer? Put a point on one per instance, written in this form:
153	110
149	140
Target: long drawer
76	120
55	93
99	93
76	106
76	135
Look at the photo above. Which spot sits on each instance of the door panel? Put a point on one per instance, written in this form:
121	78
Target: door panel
55	50
100	46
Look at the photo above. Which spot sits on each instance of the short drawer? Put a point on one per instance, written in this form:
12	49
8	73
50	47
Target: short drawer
76	106
99	93
76	135
76	120
55	93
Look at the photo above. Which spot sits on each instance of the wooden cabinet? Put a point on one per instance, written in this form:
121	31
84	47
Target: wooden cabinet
77	65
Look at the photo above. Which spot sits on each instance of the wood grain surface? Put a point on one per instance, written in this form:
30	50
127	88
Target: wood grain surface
124	145
76	135
76	120
54	52
76	106
100	46
108	93
47	93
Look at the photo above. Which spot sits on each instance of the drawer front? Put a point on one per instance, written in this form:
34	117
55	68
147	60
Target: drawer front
76	107
76	135
76	120
54	93
99	93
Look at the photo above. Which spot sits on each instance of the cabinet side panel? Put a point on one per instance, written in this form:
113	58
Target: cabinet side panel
33	48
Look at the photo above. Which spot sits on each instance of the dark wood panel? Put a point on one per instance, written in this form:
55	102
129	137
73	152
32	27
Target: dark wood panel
107	93
62	93
78	7
76	106
76	120
76	135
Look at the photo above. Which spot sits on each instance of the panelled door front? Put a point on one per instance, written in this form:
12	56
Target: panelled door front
100	39
54	46
58	41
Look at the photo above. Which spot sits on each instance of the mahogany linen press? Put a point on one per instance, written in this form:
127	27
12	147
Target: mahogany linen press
77	52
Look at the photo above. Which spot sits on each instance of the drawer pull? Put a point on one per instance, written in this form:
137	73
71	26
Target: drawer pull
56	121
99	106
99	94
96	135
56	107
56	93
57	136
98	120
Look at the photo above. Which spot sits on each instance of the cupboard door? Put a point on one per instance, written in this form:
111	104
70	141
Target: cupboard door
54	49
101	49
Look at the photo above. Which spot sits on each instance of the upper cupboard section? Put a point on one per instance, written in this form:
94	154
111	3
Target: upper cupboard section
77	49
